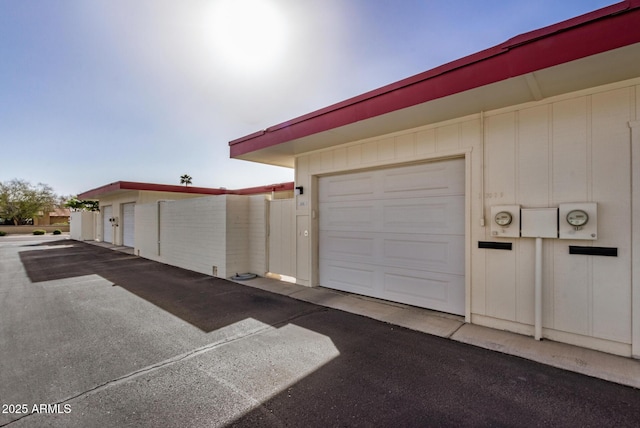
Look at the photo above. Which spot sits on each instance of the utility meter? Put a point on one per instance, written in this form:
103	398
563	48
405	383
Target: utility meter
503	218
505	221
579	220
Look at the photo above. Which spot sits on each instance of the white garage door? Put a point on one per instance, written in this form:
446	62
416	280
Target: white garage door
107	229
396	234
128	222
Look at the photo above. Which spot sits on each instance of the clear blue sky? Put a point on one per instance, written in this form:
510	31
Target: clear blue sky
97	91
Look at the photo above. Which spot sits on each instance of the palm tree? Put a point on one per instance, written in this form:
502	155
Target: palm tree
185	179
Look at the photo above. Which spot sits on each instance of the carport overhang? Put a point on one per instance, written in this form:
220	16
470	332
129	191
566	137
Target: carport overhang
594	49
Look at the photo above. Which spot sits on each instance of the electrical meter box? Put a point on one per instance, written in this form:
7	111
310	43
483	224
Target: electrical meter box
579	220
505	221
539	222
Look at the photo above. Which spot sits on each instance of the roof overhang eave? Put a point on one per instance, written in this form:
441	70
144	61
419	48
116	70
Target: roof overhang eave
563	58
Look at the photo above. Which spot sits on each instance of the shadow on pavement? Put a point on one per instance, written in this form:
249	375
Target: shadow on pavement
206	302
390	376
384	375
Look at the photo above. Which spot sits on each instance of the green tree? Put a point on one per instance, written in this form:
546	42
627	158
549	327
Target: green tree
76	204
20	201
185	179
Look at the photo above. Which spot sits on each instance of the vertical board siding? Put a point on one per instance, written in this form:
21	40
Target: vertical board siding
500	188
570	150
282	254
237	235
574	148
611	170
257	234
533	157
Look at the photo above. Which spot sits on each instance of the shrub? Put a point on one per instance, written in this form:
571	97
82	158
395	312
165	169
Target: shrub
39	232
57	232
2	233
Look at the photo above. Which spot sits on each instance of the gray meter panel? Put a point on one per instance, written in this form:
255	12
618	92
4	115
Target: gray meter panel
579	220
505	221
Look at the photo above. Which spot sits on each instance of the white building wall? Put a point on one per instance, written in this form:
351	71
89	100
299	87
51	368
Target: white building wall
139	197
116	202
572	148
83	225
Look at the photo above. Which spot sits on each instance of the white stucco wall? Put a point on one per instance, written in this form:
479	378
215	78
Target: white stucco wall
571	148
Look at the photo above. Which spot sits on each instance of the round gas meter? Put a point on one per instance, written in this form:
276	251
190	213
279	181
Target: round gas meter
503	218
577	218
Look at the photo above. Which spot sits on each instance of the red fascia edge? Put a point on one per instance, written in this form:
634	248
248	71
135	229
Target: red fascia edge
131	185
557	44
263	189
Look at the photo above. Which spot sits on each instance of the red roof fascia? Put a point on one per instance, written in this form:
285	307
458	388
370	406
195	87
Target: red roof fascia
595	32
151	187
263	189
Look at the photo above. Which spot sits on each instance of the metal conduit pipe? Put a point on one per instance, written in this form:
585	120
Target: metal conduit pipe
538	290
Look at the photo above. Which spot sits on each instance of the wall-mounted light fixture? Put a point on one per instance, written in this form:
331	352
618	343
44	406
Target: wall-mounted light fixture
299	190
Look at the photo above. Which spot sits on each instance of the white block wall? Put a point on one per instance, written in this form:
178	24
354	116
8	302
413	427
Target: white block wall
192	234
571	148
210	235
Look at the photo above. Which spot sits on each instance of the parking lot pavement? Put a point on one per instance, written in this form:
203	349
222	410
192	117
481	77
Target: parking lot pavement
93	337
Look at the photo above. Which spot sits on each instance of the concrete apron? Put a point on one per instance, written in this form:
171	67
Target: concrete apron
613	368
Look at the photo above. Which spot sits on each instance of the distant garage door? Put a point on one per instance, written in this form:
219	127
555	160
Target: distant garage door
128	222
107	229
396	234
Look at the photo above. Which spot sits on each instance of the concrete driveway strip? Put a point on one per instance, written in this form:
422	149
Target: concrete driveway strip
93	337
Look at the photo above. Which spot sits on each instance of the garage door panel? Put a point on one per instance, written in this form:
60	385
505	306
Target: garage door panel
107	229
426	289
422	180
353	277
353	216
128	224
430	215
349	245
435	253
341	188
403	241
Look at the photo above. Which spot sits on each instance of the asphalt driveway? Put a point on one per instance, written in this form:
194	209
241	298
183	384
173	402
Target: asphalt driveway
95	337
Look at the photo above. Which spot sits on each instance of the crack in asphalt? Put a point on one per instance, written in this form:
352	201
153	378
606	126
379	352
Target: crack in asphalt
174	360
